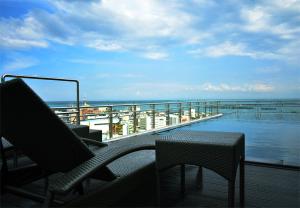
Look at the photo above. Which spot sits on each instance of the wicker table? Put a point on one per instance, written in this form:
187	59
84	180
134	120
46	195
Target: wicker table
221	152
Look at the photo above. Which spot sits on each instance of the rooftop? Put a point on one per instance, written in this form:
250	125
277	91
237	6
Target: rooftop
272	154
266	186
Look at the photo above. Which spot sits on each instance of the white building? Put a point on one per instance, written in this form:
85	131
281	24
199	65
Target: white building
100	124
187	113
174	119
193	113
146	123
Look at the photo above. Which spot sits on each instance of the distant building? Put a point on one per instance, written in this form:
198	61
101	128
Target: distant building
185	118
127	123
146	122
174	119
193	113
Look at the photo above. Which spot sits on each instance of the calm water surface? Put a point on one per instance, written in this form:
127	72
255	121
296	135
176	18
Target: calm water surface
270	138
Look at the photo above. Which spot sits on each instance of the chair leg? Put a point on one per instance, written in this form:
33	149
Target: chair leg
49	199
242	182
80	189
231	193
158	188
46	184
15	159
182	179
199	178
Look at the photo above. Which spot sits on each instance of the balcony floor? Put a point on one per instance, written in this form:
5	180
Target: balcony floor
265	187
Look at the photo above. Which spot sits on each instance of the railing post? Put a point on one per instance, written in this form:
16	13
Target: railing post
198	109
179	112
110	127
190	110
77	103
205	109
168	113
134	119
153	115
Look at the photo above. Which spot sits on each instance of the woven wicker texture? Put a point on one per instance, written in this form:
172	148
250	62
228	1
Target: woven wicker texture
218	151
103	157
6	144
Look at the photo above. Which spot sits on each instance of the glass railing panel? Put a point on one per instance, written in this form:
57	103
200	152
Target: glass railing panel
185	115
99	118
272	129
174	115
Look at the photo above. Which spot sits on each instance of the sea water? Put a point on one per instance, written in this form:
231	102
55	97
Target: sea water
273	138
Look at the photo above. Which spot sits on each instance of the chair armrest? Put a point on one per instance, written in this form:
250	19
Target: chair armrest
67	181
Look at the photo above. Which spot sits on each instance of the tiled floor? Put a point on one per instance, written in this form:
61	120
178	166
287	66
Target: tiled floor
265	187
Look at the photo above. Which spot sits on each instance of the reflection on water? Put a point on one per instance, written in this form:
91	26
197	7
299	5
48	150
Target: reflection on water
271	137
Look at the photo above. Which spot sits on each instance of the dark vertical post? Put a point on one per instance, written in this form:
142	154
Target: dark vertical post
168	113
134	119
199	178
179	112
198	109
242	181
77	103
190	111
182	179
231	193
158	191
153	115
110	127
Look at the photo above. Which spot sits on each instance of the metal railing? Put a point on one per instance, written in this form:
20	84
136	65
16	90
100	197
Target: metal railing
124	119
3	77
140	117
118	120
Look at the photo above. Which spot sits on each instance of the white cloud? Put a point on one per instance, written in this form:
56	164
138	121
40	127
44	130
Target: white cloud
260	87
106	75
224	49
105	45
107	25
133	25
20	62
290	5
268	70
228	48
85	61
257	19
264	18
19	43
173	88
156	55
15	33
290	52
223	87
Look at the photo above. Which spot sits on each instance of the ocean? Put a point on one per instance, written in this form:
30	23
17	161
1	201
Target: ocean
270	138
272	130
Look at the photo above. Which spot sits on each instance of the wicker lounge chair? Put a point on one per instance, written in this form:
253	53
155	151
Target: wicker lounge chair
31	126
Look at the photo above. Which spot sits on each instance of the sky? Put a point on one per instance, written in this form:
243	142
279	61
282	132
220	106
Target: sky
154	49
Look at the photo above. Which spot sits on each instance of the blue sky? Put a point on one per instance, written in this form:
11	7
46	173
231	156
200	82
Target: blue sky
150	49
